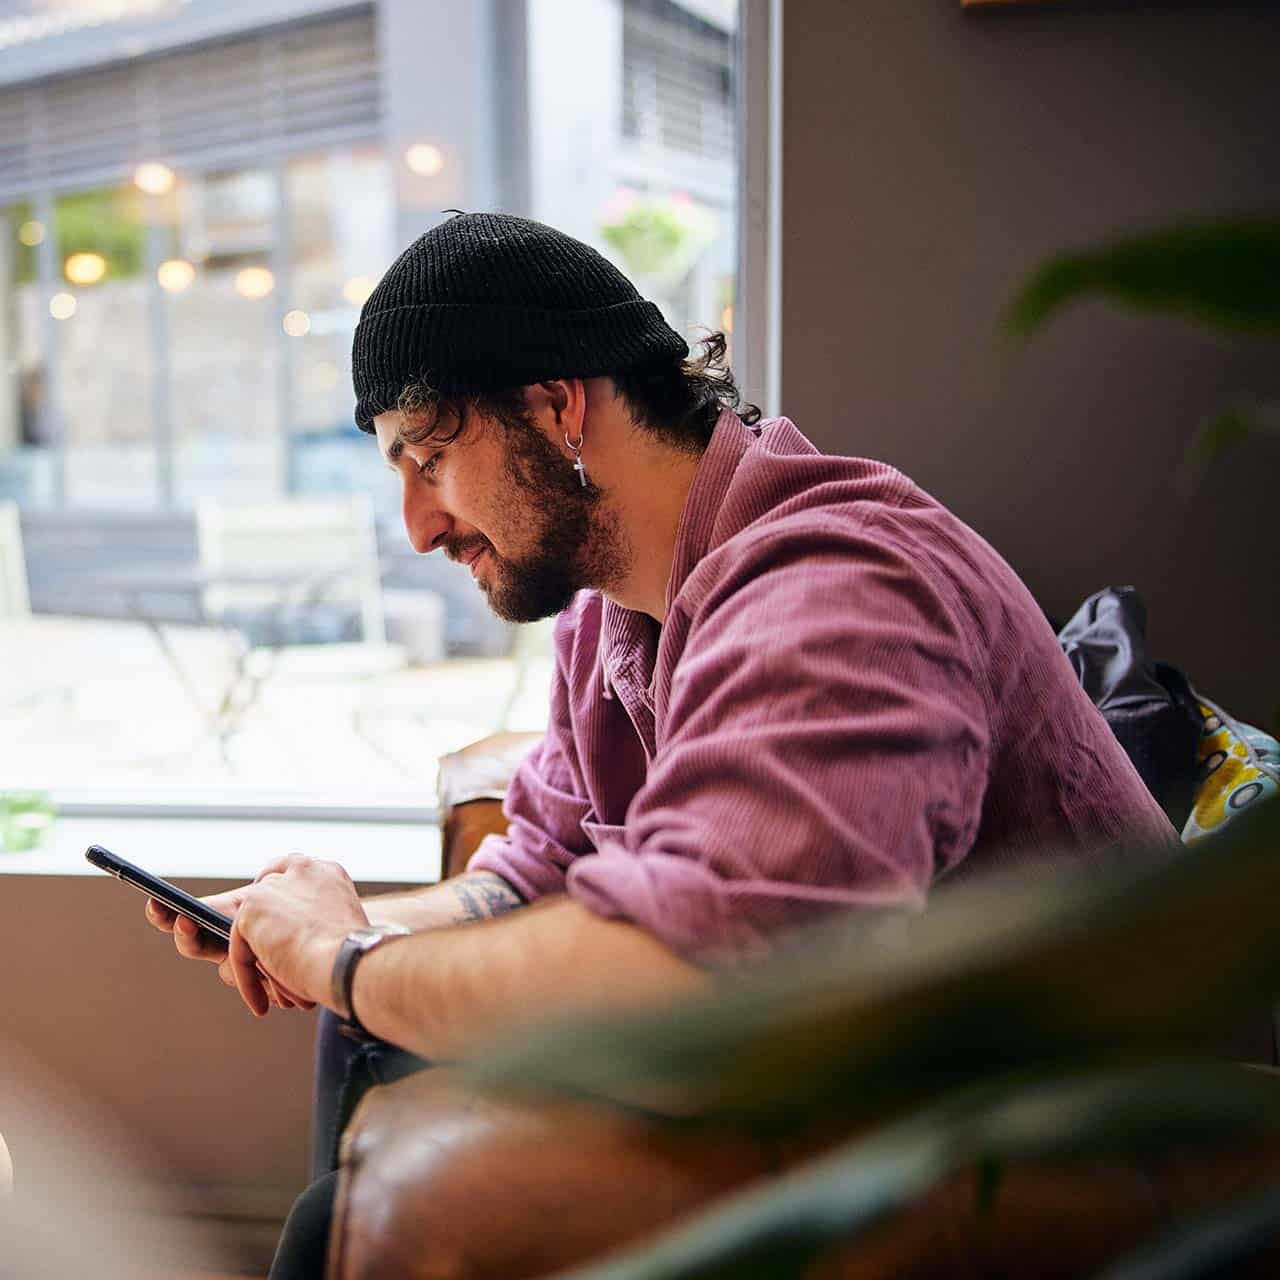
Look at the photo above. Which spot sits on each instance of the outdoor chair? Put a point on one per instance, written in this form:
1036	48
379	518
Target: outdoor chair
279	568
15	600
300	580
25	684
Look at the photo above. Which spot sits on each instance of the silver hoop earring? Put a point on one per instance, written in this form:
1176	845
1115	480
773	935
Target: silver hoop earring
575	448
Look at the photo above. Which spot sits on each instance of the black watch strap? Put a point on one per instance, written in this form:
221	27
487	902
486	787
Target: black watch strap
358	943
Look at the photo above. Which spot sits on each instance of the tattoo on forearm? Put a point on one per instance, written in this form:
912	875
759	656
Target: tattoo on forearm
484	895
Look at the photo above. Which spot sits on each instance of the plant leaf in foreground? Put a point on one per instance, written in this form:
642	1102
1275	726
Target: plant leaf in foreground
1225	274
789	1221
1130	960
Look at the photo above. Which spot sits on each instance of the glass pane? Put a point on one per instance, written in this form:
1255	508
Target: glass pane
221	308
203	311
26	419
657	191
671	219
105	347
340	236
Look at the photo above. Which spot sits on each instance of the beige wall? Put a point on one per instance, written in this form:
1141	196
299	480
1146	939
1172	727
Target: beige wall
931	158
218	1100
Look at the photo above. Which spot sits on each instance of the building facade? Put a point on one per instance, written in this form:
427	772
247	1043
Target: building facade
196	198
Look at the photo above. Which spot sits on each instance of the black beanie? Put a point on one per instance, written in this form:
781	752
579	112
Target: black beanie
486	301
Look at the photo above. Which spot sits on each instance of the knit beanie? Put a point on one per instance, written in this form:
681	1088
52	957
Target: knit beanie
486	301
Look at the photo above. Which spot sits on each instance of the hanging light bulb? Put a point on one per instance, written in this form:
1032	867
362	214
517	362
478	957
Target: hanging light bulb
85	268
175	275
254	282
357	289
154	178
425	159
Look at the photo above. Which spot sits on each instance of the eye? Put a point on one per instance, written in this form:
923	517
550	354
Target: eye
429	467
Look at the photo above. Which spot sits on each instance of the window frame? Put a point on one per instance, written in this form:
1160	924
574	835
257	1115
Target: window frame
757	346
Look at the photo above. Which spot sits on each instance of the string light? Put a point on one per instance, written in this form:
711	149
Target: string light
296	324
254	282
175	275
357	289
424	159
154	178
85	268
62	306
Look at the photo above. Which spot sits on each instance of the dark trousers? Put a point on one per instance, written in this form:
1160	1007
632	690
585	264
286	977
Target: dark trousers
345	1070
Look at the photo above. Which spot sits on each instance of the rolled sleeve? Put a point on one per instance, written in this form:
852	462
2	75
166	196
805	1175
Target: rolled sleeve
823	747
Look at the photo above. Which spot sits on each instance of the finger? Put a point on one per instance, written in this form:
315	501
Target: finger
277	866
226	903
159	916
275	992
195	943
244	969
299	1002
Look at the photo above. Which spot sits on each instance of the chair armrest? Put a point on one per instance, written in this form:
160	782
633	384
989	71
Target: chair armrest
441	1181
472	784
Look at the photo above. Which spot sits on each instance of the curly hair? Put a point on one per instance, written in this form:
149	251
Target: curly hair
678	401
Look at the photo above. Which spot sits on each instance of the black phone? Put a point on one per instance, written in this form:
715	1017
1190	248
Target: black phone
161	890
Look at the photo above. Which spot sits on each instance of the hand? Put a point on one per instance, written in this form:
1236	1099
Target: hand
195	943
289	925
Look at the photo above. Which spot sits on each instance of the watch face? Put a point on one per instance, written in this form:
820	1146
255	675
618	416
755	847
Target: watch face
372	934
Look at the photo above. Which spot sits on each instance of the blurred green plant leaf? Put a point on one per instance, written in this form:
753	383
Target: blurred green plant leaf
778	1229
1224	432
1225	274
1207	1245
1221	434
1128	960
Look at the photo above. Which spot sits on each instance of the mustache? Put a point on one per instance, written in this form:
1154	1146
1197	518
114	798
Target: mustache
461	548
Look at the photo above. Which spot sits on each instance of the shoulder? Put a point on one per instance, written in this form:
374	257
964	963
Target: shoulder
833	554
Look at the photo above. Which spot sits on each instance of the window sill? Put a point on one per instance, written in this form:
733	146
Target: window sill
260	804
234	847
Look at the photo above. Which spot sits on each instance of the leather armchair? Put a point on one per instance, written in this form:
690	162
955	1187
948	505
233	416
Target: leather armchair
441	1183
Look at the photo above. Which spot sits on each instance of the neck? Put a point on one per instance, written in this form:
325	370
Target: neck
648	483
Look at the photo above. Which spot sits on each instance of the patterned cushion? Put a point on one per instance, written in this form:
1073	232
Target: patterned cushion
1239	764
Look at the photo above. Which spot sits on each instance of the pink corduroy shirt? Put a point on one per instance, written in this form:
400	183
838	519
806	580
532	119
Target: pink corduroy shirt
852	696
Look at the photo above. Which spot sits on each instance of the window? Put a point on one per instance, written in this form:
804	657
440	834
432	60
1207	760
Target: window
188	239
340	241
105	348
220	306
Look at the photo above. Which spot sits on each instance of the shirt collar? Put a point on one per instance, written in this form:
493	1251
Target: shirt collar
629	640
729	443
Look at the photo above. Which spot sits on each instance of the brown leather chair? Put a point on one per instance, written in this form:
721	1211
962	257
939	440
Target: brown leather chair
440	1182
471	785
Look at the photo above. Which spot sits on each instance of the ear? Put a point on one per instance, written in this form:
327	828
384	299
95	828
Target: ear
559	407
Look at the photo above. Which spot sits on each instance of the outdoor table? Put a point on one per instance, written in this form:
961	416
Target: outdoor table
141	585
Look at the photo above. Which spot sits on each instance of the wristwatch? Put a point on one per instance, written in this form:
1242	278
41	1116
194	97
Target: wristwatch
358	943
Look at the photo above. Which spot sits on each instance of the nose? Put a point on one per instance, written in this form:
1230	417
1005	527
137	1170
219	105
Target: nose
425	523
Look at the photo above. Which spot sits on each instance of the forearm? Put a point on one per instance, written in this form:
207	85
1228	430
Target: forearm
442	993
480	895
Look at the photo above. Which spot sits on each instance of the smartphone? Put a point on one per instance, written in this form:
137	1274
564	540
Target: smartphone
161	890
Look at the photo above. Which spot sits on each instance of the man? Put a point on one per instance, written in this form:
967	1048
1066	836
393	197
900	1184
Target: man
786	684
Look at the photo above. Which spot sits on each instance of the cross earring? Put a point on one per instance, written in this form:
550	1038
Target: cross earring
575	447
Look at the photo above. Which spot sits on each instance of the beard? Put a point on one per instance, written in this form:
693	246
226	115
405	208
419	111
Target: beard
577	543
